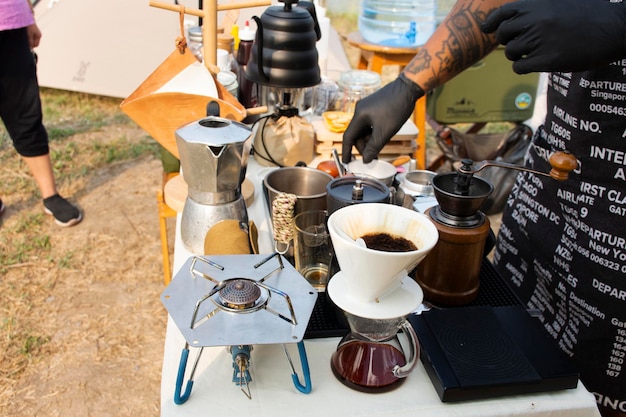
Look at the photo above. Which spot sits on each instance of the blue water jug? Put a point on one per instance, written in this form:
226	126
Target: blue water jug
400	23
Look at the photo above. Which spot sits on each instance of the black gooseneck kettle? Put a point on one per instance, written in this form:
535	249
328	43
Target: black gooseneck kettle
284	53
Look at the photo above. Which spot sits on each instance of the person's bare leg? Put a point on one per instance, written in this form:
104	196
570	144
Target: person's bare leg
64	213
41	168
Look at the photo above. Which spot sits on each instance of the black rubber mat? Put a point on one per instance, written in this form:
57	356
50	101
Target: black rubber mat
327	320
493	291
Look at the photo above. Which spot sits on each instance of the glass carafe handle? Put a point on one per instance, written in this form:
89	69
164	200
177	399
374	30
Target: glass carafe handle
404	371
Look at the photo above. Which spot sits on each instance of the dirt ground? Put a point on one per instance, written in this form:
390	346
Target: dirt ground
99	318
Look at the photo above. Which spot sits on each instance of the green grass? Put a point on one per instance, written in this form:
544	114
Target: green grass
122	150
72	110
67	116
32	343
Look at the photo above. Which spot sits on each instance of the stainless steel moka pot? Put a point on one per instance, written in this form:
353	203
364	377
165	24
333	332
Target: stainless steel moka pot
213	155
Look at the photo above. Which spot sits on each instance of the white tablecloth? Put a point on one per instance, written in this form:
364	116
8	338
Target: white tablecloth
273	392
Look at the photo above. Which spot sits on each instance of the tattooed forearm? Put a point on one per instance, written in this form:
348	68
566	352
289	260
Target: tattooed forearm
422	64
455	48
466	42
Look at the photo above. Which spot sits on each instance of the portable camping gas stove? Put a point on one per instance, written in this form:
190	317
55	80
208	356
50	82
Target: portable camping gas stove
238	301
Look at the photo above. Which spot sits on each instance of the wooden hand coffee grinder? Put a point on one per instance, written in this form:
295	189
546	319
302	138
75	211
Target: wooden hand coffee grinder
449	276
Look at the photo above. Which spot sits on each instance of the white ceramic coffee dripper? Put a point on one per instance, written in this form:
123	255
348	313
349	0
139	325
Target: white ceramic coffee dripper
367	275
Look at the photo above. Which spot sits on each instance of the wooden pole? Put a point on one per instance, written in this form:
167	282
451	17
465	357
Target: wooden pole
209	33
176	8
209	26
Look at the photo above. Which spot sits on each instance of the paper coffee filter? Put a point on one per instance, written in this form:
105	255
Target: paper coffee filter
195	79
358	220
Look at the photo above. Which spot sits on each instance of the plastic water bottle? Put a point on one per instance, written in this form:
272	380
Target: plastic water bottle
403	23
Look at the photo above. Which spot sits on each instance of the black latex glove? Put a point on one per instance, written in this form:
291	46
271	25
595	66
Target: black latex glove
559	35
378	117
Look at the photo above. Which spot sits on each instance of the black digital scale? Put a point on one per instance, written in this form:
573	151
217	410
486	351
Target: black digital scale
490	348
484	352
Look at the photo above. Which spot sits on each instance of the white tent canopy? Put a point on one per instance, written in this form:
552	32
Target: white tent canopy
109	47
104	47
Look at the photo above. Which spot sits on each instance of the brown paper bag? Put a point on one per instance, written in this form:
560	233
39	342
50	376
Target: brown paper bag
284	141
160	114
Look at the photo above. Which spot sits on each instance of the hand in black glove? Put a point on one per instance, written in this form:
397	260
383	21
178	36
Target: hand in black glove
559	35
378	117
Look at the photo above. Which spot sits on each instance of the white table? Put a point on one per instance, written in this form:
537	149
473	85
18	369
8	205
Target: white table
273	392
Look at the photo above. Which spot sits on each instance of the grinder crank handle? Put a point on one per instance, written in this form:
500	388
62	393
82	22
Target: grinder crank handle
562	164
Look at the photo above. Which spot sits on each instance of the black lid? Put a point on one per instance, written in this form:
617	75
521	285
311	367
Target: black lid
358	190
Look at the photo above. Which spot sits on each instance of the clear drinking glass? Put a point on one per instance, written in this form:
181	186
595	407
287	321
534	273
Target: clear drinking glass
313	251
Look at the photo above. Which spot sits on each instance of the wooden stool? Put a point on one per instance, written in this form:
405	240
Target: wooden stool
165	212
374	58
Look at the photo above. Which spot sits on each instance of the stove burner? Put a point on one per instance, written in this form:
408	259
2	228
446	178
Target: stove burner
232	300
279	299
240	294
